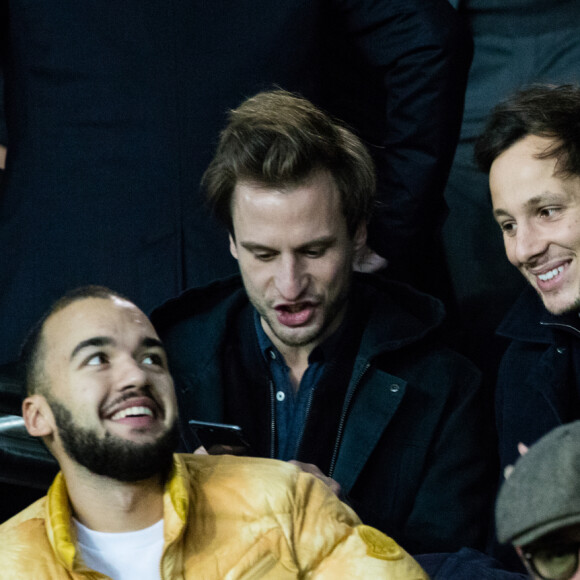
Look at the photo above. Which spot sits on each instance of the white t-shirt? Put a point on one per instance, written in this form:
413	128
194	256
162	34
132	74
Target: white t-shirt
125	555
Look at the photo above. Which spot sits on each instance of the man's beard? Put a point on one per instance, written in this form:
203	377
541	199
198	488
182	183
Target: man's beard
112	456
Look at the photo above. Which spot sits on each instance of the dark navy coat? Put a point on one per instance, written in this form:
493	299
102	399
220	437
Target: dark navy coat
413	456
538	385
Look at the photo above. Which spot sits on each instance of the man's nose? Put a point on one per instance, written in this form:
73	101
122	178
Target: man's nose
130	373
291	278
529	243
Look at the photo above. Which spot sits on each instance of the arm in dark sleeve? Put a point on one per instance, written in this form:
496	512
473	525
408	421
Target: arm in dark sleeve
418	54
455	498
3	136
3	39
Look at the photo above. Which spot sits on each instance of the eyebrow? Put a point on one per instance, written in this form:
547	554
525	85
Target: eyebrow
90	342
322	241
546	197
150	342
96	341
533	202
500	213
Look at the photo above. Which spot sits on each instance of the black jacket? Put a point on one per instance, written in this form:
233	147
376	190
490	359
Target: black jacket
538	387
412	454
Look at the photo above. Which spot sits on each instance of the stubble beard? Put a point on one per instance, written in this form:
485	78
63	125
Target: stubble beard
112	456
574	306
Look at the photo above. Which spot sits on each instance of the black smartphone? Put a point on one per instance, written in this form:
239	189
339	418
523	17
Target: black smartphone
220	438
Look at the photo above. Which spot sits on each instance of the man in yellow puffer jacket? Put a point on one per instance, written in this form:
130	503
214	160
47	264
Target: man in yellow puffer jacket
125	507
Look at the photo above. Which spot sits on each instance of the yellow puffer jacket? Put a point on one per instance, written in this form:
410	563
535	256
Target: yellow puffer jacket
225	518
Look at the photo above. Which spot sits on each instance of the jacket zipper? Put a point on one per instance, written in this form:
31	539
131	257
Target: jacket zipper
345	409
272	421
560	325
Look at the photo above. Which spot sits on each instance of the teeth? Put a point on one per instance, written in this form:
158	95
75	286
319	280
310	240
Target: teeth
132	411
549	275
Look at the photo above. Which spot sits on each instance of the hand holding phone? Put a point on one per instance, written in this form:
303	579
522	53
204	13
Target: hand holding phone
220	438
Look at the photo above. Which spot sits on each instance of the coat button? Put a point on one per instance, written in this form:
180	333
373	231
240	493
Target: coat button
394	388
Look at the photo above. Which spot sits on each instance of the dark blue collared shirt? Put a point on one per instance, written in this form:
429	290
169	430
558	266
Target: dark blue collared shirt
292	408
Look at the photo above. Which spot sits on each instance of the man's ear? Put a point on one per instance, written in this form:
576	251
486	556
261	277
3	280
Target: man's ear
37	416
233	249
360	236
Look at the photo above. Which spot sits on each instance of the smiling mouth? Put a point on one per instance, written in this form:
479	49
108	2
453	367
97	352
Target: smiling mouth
132	412
551	274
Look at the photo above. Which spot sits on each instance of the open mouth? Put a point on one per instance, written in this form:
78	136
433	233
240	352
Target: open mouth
550	278
295	314
551	274
293	308
132	412
132	408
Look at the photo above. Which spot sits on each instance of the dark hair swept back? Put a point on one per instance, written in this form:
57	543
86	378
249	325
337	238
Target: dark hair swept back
551	111
279	139
31	350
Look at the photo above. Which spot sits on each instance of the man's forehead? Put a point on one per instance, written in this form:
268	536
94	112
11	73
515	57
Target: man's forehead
522	152
521	166
90	317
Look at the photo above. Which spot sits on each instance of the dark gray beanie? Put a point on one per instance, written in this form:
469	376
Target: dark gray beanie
542	494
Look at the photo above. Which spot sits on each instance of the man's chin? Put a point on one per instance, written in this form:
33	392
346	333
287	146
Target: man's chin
560	305
130	461
296	337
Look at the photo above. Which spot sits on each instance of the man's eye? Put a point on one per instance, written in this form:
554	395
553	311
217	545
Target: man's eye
549	212
314	252
263	256
508	228
153	359
96	359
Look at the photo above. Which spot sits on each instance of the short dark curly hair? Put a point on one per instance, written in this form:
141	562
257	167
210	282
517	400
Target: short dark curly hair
551	111
279	139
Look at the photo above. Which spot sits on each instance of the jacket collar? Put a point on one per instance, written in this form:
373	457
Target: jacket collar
59	526
529	321
399	315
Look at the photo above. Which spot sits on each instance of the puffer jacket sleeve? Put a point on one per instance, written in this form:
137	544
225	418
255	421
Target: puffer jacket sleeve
330	542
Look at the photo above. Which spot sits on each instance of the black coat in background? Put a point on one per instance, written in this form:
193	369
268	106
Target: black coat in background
113	111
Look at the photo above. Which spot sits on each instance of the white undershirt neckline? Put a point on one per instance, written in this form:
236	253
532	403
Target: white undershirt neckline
124	555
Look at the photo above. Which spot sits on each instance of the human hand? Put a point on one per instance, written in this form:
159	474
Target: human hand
221	449
522	450
314	470
366	260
